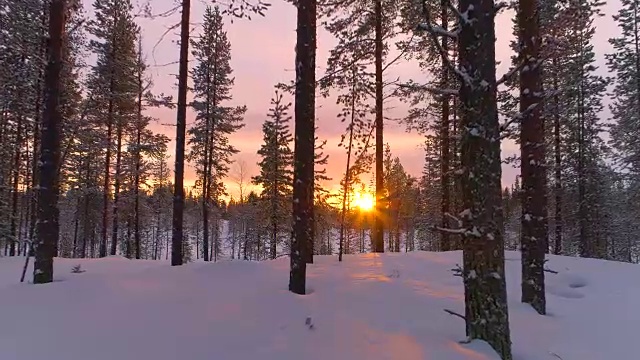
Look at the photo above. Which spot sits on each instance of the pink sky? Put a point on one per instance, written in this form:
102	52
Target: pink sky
263	55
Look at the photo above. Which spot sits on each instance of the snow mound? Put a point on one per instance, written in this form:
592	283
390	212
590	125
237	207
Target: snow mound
370	306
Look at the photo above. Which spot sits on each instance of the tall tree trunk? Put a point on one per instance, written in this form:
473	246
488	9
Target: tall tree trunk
107	169
445	182
136	181
36	131
206	176
557	250
76	225
586	248
533	170
116	187
304	159
181	124
378	232
47	225
14	190
486	313
347	177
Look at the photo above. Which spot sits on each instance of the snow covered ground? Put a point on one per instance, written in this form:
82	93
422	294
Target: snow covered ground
370	306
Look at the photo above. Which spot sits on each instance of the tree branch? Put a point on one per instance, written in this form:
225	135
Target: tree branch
451	312
438	30
464	77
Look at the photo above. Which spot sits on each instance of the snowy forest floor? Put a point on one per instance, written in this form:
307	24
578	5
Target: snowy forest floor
387	306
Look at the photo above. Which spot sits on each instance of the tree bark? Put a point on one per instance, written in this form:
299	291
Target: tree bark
14	190
557	250
116	187
445	182
47	225
304	159
378	231
533	170
347	177
486	313
181	124
136	181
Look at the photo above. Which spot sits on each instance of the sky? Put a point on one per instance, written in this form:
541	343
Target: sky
263	55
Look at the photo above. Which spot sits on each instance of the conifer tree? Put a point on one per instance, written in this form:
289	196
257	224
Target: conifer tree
112	86
304	147
624	63
481	221
533	170
582	102
48	187
360	26
212	84
276	177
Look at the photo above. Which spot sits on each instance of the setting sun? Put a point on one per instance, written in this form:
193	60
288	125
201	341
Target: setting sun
364	201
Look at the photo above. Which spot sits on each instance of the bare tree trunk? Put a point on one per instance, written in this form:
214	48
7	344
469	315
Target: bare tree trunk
533	171
136	181
378	232
304	159
107	169
347	178
586	243
116	187
181	124
14	190
47	225
557	250
445	182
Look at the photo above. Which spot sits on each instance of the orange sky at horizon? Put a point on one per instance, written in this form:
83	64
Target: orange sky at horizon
263	55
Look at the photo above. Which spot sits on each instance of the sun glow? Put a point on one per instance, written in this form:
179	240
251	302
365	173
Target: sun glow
364	201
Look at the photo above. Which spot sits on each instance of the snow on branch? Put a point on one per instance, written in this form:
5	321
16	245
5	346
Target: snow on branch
464	17
450	231
519	116
454	218
433	90
438	30
506	77
441	50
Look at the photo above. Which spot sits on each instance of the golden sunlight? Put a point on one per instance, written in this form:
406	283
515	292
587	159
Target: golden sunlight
364	201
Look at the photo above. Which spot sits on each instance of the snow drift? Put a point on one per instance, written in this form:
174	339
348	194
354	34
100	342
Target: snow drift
370	306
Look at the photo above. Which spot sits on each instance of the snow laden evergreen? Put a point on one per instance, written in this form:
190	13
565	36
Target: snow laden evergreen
480	223
210	148
112	90
433	105
276	173
22	63
624	63
584	149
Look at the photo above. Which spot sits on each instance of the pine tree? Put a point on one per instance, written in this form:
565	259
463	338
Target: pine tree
624	63
433	108
481	221
212	83
177	236
304	148
112	86
276	177
533	170
359	26
48	187
582	101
